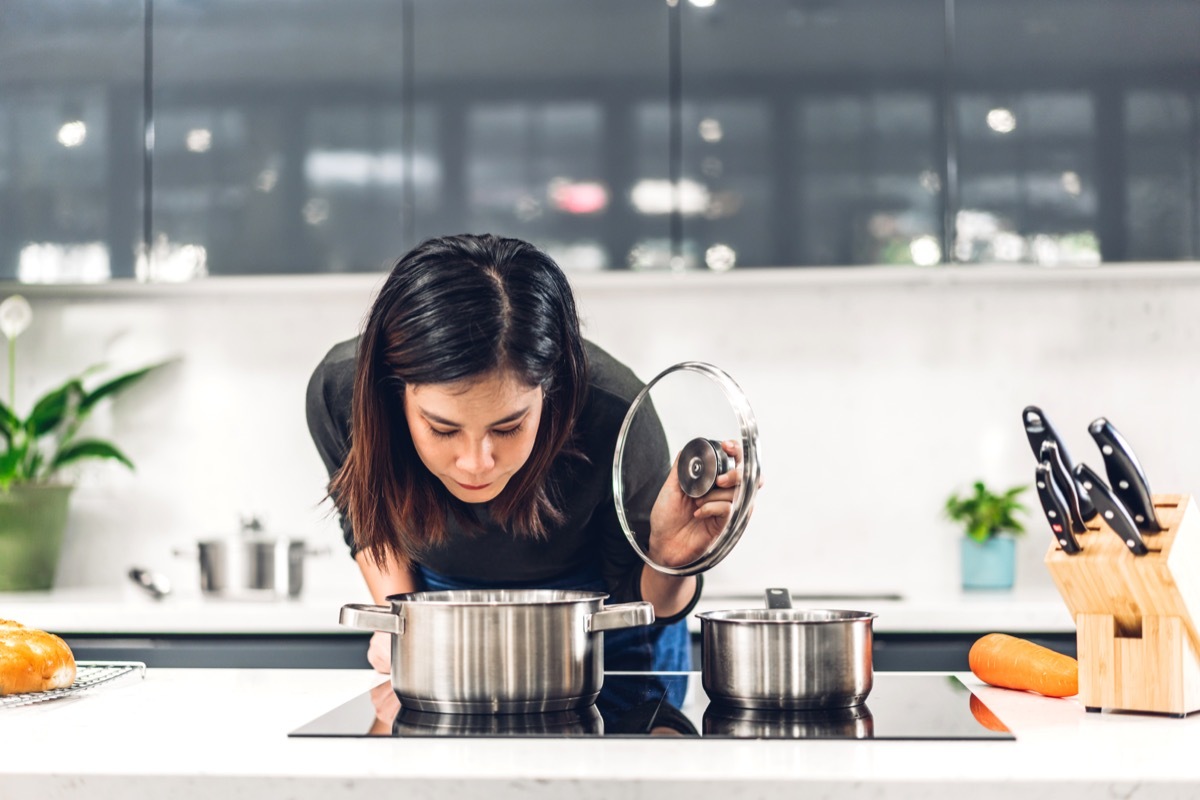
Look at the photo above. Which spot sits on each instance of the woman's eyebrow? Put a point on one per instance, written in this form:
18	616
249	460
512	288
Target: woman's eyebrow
513	417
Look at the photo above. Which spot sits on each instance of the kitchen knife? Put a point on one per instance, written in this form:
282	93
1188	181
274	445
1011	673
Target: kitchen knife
1125	475
1065	483
1038	429
1055	506
1111	509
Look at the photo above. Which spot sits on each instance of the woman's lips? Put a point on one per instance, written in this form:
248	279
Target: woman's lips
471	488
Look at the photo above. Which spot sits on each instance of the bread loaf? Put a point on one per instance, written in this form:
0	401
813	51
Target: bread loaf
33	660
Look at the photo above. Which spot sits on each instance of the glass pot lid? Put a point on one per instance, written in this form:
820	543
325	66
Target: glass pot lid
671	444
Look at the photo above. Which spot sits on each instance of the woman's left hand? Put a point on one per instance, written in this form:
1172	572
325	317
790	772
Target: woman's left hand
681	527
387	706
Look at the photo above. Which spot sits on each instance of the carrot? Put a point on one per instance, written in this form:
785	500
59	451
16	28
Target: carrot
1011	663
984	716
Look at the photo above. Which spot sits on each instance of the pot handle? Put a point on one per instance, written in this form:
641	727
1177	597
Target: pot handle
621	615
371	618
779	598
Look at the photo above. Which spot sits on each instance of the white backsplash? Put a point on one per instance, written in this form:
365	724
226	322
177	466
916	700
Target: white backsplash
877	393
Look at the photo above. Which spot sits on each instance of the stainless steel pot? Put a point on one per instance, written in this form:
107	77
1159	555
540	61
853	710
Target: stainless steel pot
497	650
254	567
785	658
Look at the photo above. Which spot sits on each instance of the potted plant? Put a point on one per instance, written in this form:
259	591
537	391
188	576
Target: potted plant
35	451
990	527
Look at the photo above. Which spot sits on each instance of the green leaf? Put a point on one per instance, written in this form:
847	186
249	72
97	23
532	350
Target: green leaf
10	466
88	448
985	513
9	422
44	442
49	411
112	387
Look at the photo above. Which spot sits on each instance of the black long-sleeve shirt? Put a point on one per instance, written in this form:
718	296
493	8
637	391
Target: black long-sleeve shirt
590	534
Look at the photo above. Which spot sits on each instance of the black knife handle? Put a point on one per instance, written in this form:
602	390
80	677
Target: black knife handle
1038	429
1065	483
1055	506
1125	475
1111	509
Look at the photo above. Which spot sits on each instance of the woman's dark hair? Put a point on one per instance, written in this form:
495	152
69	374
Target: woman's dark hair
457	308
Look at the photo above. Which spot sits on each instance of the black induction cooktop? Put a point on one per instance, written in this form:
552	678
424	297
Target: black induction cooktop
641	704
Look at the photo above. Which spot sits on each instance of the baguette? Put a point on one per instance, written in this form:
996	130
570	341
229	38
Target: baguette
32	660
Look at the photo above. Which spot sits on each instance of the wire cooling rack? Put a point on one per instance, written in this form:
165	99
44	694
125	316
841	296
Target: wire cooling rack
88	675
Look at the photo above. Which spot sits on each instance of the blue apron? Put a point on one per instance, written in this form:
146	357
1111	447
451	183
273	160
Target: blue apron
645	648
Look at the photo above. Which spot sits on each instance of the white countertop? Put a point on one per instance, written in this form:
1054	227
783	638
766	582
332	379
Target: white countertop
184	733
127	610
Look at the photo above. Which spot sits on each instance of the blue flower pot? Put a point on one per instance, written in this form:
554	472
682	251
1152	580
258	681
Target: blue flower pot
990	564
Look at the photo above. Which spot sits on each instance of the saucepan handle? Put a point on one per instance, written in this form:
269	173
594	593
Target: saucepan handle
621	615
371	618
779	598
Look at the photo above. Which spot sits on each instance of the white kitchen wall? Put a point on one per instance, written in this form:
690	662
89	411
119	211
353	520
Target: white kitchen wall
878	391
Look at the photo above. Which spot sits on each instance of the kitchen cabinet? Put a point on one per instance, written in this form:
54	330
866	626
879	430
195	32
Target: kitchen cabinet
795	133
947	652
251	651
939	652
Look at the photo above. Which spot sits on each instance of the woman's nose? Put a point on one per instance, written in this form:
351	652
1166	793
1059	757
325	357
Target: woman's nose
477	459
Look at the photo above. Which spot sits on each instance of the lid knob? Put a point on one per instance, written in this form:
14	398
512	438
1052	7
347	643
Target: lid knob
701	461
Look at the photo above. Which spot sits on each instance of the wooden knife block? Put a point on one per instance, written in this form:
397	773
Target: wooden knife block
1135	617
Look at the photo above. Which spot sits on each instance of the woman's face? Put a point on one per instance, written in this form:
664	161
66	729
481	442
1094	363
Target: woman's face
474	435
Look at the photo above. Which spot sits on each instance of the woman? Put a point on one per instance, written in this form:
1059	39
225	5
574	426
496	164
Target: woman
469	434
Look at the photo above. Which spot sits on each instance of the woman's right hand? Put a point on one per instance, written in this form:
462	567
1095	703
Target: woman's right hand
379	652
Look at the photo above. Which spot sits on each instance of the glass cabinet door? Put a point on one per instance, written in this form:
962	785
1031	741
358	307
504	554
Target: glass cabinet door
1076	129
71	123
543	119
279	143
810	132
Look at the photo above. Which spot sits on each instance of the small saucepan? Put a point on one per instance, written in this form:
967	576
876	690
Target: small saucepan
784	658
